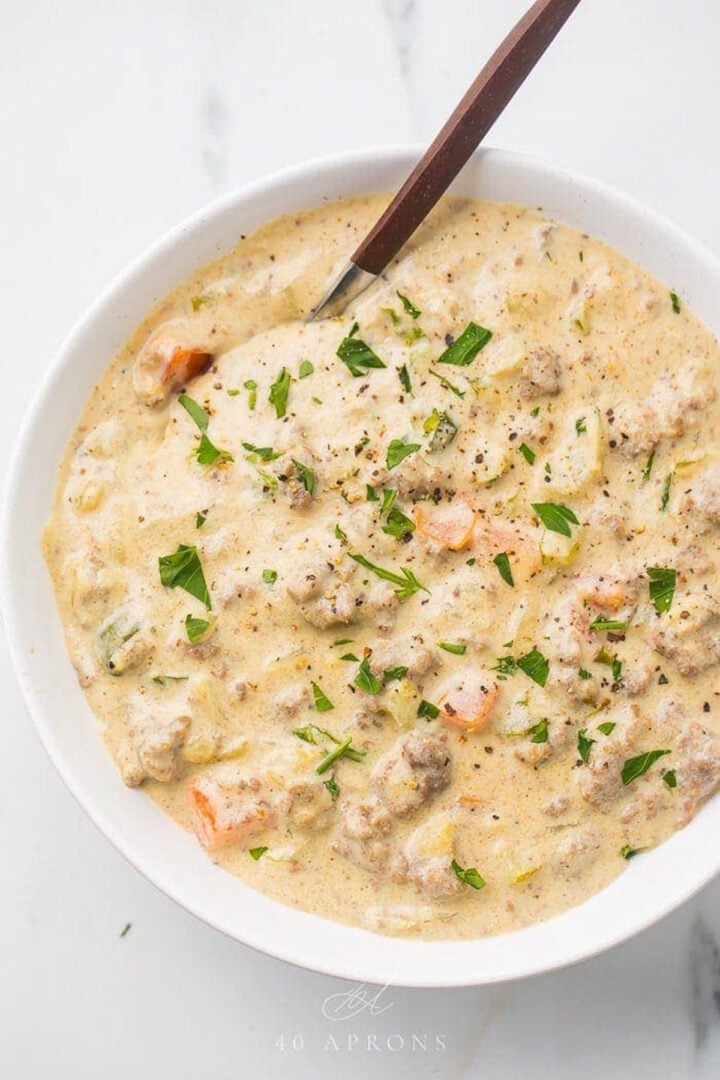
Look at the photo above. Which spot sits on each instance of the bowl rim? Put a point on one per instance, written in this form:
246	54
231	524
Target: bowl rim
425	971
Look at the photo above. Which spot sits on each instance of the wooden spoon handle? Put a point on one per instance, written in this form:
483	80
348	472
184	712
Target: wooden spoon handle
483	103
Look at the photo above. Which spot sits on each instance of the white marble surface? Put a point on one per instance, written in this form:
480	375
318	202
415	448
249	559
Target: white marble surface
115	121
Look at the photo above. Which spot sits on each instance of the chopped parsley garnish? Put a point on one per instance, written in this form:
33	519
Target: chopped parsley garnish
200	519
311	732
357	355
342	641
555	517
502	561
232	392
320	699
607	727
442	429
392	674
637	766
341	535
410	308
584	745
126	929
264	453
675	301
279	391
648	468
183	570
269	576
615	665
406	581
447	385
198	414
466	347
533	664
539	733
251	386
389	496
583	674
662	587
527	453
427	709
392	315
206	453
371	494
457	650
404	377
195	628
414	334
349	656
270	481
470	875
409	336
306	368
627	852
305	475
580	426
341	750
505	667
398	525
670	778
601	624
398	450
665	496
535	412
257	852
365	680
332	787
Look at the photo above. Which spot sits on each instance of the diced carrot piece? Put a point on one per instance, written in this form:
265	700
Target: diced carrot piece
602	592
449	526
164	364
221	818
184	364
468	701
494	538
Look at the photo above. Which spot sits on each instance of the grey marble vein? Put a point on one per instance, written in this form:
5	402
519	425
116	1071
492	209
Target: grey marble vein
705	982
403	16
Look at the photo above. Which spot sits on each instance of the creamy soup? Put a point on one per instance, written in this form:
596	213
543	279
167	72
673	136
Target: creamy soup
411	616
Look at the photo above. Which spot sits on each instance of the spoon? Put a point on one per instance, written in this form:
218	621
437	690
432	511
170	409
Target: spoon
484	101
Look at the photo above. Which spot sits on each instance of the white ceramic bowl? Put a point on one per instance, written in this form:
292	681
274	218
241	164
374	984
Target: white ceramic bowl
651	886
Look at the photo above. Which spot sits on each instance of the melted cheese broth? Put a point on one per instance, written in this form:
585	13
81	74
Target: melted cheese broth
512	756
